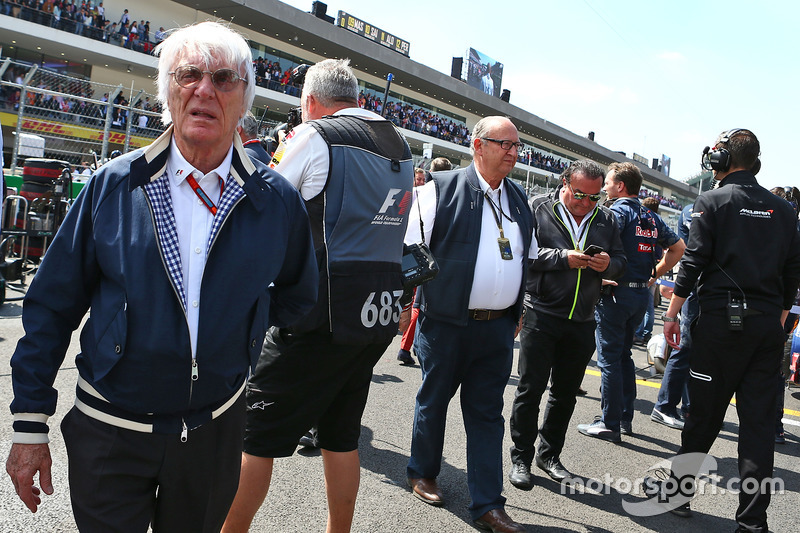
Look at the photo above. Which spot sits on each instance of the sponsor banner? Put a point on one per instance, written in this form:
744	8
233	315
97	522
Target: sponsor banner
367	30
63	129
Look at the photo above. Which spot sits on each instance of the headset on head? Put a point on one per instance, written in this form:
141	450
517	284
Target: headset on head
719	159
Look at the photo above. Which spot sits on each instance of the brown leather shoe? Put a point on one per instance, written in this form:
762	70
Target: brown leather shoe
426	490
497	521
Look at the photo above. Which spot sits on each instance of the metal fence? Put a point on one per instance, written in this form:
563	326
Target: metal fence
72	119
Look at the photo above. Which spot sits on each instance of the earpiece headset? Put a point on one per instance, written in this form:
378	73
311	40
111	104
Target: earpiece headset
719	159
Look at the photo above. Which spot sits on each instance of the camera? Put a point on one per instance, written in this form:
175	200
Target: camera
293	118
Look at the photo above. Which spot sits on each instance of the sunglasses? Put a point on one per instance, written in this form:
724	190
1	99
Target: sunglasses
582	195
189	76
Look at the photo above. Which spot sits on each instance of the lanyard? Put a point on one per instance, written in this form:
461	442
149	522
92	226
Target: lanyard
503	243
577	237
198	190
495	208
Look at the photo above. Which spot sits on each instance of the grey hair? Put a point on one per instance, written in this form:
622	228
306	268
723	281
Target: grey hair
213	42
249	125
332	81
481	129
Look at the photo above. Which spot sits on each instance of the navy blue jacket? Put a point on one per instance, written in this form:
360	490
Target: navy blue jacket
455	238
640	230
135	348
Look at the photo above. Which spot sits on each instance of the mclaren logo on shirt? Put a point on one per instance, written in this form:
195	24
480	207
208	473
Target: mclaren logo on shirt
754	213
384	218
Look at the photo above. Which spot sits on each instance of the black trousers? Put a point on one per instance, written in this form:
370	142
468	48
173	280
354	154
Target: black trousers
122	480
548	344
746	363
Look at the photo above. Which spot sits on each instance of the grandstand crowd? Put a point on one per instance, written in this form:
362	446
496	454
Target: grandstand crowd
79	108
88	18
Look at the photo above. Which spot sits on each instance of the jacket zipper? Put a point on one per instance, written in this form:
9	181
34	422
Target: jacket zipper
194	371
578	282
184	430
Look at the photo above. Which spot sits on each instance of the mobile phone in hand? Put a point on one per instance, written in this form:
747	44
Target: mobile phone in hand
593	249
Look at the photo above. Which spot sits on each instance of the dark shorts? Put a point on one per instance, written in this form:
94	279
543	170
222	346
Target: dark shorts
303	381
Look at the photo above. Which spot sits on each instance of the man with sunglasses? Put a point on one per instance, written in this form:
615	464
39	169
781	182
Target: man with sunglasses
620	311
479	227
185	251
579	245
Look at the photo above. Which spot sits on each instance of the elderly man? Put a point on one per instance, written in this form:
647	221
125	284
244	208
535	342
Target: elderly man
354	170
166	246
579	245
479	228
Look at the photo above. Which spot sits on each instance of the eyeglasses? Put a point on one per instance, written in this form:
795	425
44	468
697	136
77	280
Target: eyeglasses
189	76
582	195
505	145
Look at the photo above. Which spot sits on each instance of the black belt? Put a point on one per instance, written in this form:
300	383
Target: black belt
633	284
487	314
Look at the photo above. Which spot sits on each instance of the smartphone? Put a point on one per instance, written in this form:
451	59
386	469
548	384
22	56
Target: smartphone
593	249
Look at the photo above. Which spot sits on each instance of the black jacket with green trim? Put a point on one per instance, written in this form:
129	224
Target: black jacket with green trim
552	286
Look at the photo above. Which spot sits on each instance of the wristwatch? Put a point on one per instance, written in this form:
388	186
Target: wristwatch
666	318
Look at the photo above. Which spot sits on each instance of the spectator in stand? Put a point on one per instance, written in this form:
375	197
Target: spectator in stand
160	35
123	34
56	20
125	18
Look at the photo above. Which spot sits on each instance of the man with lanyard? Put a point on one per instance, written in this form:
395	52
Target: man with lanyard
354	170
738	337
579	245
479	228
620	311
160	246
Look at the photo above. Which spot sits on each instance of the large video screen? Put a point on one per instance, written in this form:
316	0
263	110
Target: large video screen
483	72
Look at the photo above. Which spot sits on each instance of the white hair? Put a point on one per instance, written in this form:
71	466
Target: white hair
213	42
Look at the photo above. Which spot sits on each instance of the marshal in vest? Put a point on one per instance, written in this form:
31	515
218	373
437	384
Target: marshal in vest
359	222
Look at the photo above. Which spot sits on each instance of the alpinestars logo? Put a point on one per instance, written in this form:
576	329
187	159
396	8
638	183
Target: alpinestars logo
382	218
755	214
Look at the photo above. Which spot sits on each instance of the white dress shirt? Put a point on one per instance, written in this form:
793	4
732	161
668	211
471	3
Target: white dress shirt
496	281
193	221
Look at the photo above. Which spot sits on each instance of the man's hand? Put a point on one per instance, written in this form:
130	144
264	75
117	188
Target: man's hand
599	262
672	333
405	320
577	259
519	326
23	462
666	292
